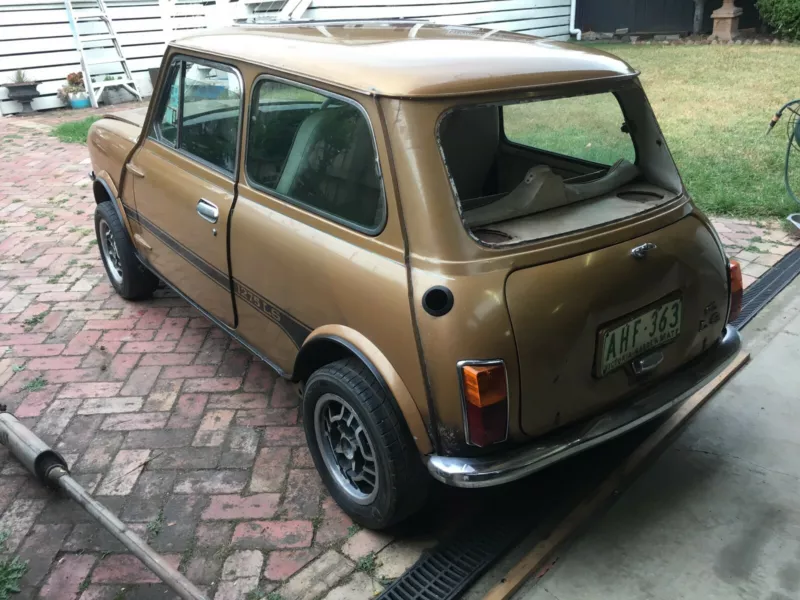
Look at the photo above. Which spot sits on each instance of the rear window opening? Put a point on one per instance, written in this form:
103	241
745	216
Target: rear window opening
540	168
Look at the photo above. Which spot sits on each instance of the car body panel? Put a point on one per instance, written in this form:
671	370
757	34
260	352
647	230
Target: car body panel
386	369
558	309
110	142
393	58
106	181
183	247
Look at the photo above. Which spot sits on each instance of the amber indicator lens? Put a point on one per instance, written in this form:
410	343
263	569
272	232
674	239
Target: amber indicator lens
737	290
486	403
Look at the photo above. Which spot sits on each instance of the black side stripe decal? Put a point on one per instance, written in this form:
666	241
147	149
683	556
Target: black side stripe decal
209	270
293	328
296	330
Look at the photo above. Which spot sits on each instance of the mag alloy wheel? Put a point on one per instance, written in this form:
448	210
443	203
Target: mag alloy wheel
346	448
361	446
108	246
127	275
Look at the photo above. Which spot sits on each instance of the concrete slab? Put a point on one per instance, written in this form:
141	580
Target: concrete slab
718	514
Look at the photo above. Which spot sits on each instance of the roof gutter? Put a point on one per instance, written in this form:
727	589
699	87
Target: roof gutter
572	29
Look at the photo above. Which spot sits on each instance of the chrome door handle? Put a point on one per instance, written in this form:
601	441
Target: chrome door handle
647	363
134	170
207	210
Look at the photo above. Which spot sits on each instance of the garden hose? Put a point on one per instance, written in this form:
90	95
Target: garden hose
793	133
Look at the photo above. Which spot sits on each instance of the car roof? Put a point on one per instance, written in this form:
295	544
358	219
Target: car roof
409	59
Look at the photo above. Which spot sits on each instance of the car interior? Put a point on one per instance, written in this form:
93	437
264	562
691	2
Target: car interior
320	154
212	134
508	192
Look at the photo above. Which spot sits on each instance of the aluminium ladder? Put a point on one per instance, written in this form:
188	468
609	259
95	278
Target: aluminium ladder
97	13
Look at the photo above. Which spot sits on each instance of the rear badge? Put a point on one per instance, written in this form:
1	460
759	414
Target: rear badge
640	252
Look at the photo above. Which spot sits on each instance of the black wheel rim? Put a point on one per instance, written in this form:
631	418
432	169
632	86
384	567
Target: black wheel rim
346	448
108	248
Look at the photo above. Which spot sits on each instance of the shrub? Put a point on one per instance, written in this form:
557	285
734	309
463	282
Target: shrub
782	15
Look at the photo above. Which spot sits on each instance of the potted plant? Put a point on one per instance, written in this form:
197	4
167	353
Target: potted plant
74	91
114	93
22	89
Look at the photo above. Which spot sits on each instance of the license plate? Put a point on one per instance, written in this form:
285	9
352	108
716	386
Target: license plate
656	327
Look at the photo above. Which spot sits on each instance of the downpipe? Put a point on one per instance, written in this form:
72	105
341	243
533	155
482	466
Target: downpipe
572	29
51	470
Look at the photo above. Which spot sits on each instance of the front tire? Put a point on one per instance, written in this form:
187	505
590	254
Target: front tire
361	445
130	278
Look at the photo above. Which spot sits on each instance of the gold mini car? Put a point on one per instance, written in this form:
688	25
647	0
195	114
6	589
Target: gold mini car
471	248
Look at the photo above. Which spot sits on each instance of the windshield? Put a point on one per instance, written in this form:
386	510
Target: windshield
548	166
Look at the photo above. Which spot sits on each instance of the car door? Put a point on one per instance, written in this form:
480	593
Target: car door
184	181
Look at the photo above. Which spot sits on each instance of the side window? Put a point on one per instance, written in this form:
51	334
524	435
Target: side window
200	113
166	129
210	114
315	150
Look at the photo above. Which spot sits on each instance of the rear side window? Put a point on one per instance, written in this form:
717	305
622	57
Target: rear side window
583	127
315	150
201	111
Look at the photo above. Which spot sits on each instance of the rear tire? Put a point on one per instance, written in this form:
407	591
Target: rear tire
361	445
130	278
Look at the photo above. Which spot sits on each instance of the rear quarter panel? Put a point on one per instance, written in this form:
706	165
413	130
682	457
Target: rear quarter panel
328	276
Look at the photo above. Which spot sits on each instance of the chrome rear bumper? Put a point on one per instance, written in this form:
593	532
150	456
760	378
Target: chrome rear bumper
492	470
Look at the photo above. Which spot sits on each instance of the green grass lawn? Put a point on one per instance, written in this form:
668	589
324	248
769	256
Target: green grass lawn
12	569
586	127
714	104
74	131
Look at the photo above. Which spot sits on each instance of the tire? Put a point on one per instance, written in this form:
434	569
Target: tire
348	387
130	278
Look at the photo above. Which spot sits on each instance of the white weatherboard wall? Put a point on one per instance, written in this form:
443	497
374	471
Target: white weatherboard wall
35	35
544	18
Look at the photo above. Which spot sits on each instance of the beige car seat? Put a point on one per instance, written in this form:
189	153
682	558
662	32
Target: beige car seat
332	166
541	190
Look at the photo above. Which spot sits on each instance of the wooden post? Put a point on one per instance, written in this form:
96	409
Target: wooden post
697	23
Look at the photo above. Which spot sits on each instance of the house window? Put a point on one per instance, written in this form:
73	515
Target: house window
316	150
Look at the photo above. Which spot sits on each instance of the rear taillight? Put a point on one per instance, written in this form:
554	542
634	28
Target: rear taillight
485	393
737	289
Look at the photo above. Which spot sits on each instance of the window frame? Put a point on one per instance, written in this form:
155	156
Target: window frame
576	159
383	203
163	97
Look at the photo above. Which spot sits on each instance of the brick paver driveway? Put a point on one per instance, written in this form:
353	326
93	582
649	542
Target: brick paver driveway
165	420
162	417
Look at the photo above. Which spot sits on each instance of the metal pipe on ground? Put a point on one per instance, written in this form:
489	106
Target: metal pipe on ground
51	469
